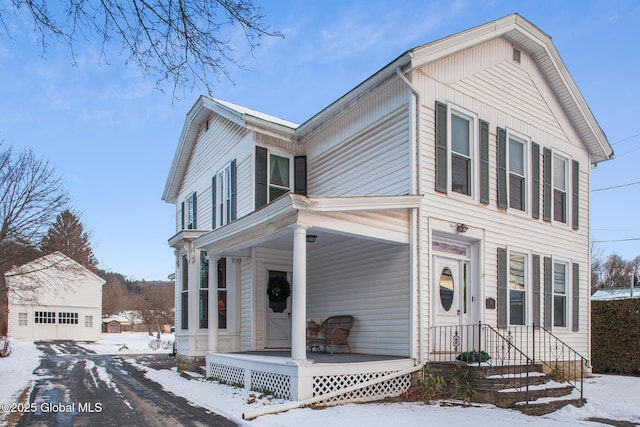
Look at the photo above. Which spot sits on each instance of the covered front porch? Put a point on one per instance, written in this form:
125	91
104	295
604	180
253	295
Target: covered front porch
341	255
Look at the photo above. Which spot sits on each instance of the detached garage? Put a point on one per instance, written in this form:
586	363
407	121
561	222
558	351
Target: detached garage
54	298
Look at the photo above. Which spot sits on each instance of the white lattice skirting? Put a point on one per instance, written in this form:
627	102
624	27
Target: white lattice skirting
293	382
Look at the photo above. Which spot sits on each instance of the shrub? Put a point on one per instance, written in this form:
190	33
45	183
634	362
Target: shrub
473	356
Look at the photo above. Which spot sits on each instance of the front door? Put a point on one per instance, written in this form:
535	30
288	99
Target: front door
278	329
453	307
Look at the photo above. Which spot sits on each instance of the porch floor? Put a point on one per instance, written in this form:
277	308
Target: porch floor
324	357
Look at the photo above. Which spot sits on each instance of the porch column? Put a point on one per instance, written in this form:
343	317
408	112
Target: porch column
212	302
299	295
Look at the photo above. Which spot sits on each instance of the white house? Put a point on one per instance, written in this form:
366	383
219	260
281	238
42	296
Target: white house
450	188
54	298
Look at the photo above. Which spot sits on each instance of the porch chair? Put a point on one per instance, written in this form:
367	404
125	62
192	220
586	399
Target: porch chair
333	331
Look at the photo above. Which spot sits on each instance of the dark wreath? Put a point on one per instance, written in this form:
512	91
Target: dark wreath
278	289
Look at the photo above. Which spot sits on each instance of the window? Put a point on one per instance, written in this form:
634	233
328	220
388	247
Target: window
560	180
222	293
88	321
461	153
224	195
203	305
517	173
517	289
22	319
184	294
68	318
279	180
559	294
45	317
191	212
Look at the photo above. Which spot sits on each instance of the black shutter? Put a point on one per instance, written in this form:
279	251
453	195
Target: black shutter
502	168
547	193
195	210
502	287
233	191
213	203
575	199
576	298
300	175
535	271
441	147
182	215
548	293
261	177
535	180
484	162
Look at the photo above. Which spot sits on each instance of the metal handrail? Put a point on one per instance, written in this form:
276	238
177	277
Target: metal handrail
472	343
544	347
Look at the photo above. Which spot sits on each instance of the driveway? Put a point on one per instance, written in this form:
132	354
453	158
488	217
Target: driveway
80	388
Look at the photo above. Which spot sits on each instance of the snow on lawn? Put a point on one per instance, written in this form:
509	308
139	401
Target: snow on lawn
130	343
608	397
16	371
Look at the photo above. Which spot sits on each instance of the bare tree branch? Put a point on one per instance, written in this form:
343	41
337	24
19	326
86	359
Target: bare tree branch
184	43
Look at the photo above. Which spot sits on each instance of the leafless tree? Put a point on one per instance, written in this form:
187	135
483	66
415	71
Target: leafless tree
158	303
31	195
183	42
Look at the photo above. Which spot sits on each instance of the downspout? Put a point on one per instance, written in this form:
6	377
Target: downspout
418	150
297	404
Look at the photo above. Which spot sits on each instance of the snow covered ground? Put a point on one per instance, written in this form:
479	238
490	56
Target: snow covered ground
609	397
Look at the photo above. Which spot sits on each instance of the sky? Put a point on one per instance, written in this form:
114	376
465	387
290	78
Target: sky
111	134
608	397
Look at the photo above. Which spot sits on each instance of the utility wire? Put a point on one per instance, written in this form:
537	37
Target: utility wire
619	240
616	186
625	139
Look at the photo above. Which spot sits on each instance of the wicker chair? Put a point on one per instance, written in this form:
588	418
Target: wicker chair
333	331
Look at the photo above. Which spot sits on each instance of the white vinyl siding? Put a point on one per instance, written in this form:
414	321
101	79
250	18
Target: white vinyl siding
485	81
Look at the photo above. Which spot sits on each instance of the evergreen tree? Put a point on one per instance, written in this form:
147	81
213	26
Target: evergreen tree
67	235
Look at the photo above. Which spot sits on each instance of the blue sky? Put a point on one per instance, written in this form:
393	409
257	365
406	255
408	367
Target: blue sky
111	135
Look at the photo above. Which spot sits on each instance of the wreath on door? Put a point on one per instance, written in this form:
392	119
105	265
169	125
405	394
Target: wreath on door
278	289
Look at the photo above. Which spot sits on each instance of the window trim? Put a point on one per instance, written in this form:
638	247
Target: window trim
568	294
528	285
474	153
290	158
556	156
526	146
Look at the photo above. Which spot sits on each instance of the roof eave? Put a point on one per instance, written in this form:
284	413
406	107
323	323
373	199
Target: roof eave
530	38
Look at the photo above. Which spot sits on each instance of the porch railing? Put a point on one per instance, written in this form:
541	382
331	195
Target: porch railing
485	346
566	364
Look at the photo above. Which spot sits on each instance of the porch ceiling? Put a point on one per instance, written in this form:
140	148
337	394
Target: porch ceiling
331	219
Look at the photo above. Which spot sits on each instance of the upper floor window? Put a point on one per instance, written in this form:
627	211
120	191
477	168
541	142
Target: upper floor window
224	198
461	153
189	212
560	186
279	176
273	176
517	173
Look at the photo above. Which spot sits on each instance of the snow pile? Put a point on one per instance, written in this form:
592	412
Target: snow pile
16	371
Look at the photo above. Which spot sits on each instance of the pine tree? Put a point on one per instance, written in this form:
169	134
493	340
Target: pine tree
67	235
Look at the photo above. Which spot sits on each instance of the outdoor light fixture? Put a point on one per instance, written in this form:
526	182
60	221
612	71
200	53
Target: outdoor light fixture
311	238
461	228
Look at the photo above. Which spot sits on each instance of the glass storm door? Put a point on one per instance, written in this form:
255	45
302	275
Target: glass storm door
452	307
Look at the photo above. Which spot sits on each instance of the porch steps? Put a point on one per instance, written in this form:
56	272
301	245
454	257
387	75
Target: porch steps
199	373
505	387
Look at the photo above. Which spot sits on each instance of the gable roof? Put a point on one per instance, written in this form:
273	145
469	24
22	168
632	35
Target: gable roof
244	117
522	33
50	263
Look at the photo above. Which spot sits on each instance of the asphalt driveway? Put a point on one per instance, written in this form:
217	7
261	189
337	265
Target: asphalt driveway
79	388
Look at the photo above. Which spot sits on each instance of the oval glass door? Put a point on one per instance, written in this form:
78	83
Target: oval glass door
447	288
